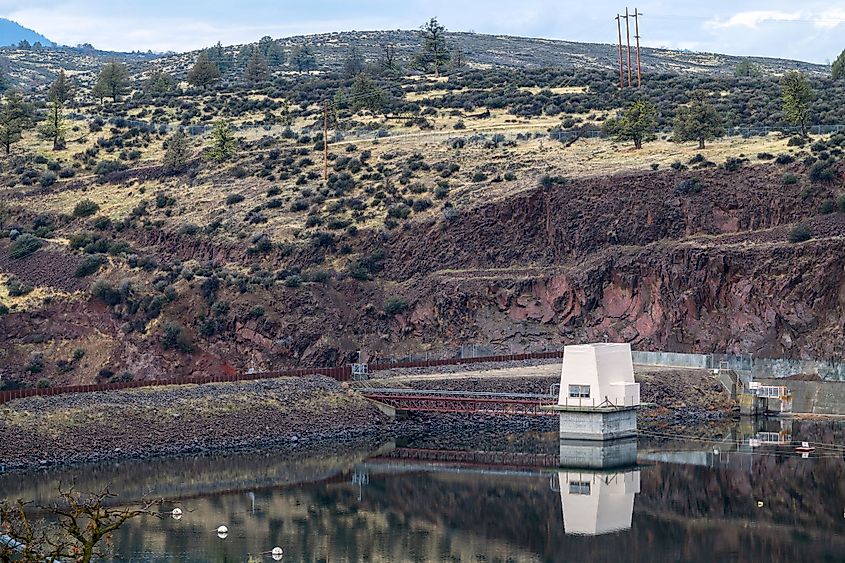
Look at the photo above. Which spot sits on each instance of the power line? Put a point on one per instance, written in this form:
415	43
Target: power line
628	34
627	17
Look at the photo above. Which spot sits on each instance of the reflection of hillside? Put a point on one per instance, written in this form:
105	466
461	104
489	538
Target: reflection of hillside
680	512
447	516
312	508
188	476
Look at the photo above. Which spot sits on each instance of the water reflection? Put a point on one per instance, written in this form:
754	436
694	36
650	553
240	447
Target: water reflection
597	503
691	500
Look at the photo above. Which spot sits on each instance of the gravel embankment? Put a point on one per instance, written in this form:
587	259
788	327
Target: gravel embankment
142	423
313	413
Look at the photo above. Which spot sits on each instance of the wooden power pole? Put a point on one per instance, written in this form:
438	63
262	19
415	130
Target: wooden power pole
325	141
637	15
621	70
628	33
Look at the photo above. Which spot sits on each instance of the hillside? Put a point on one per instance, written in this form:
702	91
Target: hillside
484	206
29	68
503	51
32	68
223	267
12	33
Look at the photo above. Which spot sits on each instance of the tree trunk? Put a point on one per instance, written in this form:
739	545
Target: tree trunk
701	143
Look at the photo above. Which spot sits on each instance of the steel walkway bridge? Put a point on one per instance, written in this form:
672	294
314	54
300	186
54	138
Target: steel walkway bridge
482	403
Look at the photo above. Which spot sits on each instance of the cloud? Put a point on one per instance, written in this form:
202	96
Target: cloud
830	19
157	32
811	27
753	19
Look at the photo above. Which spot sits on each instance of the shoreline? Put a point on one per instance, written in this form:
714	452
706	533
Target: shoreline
279	415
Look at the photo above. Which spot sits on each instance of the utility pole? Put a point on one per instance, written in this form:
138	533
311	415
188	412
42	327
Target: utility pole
628	33
637	15
619	29
325	141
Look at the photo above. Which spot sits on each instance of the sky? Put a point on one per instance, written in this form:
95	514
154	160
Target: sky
808	30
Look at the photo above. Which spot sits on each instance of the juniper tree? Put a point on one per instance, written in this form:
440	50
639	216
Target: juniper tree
15	117
204	72
177	153
257	69
636	124
158	83
303	59
224	144
366	94
433	52
797	95
112	82
698	121
218	56
746	69
271	51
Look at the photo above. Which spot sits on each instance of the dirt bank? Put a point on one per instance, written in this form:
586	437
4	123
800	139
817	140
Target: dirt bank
282	413
288	413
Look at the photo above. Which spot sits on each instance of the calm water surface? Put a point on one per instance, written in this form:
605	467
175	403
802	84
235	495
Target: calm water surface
731	499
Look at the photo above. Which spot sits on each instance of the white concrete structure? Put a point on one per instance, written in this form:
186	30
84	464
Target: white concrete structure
597	503
598	375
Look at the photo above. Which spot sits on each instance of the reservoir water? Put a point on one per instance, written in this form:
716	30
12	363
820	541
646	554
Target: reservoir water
743	494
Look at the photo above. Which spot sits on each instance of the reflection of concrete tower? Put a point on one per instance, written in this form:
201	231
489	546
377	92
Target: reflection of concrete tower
597	503
590	454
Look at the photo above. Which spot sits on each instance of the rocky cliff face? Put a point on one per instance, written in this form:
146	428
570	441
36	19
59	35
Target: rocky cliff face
630	259
627	258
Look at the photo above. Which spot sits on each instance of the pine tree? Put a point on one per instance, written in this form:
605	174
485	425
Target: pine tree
53	128
257	69
224	144
837	69
5	84
797	95
15	117
434	53
636	124
177	153
204	72
61	89
112	82
698	121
